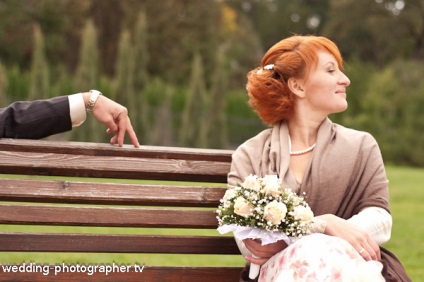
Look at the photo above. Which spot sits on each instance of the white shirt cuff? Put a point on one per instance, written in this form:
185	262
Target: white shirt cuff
376	221
77	109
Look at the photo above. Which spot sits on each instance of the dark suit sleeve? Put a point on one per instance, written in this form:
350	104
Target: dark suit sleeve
35	119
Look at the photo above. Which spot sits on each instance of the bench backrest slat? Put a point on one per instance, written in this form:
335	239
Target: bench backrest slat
49	191
107	217
107	167
117	243
97	149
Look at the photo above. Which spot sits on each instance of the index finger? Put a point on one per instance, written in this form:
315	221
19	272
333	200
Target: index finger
132	134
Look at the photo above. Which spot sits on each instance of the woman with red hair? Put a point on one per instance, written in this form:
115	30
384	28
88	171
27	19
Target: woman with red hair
340	170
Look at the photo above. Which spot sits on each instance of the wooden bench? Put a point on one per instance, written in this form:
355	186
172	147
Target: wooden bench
113	202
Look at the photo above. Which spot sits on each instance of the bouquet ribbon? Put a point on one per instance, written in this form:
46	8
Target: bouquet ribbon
247	232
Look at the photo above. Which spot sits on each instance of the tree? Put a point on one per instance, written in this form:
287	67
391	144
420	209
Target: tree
87	73
277	19
123	90
3	86
377	31
177	30
124	83
217	121
60	22
163	130
410	16
193	129
141	59
87	77
18	83
39	68
108	17
241	44
16	33
393	112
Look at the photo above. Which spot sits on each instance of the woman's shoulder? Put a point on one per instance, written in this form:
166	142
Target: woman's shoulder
258	140
247	157
353	135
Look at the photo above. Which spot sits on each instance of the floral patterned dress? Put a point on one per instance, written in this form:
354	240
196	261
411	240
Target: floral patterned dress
319	257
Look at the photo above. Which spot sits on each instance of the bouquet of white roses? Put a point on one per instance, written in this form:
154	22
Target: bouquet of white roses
262	208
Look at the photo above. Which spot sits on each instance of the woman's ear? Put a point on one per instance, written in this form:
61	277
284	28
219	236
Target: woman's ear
296	87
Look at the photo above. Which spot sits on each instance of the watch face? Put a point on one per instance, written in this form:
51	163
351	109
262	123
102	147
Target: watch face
93	98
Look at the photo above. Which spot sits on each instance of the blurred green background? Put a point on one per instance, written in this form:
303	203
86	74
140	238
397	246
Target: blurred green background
179	64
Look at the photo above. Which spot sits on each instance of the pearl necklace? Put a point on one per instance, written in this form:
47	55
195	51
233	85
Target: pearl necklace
300	152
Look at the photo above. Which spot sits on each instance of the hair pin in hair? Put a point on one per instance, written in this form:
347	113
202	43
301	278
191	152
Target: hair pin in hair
269	67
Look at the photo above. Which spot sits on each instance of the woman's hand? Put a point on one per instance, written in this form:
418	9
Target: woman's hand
358	238
262	253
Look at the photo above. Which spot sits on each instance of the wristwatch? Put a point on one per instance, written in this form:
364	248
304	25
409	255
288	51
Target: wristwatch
93	99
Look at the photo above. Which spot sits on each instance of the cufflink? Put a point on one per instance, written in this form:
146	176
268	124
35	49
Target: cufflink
93	99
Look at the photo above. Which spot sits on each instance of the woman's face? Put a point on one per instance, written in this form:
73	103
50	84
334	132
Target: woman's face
325	89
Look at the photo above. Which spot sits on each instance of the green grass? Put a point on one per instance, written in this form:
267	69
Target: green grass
406	194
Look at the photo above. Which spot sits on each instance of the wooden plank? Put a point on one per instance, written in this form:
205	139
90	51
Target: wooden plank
107	243
82	159
30	163
107	217
109	193
148	273
103	149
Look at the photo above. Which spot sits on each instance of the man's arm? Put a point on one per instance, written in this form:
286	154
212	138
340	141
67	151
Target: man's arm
35	119
41	118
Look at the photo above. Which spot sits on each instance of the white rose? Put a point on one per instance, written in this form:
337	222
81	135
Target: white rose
275	212
242	207
303	213
251	182
272	185
229	194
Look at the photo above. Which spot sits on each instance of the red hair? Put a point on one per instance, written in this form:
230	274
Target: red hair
269	95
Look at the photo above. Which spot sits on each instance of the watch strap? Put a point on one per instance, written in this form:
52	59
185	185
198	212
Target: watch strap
93	99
